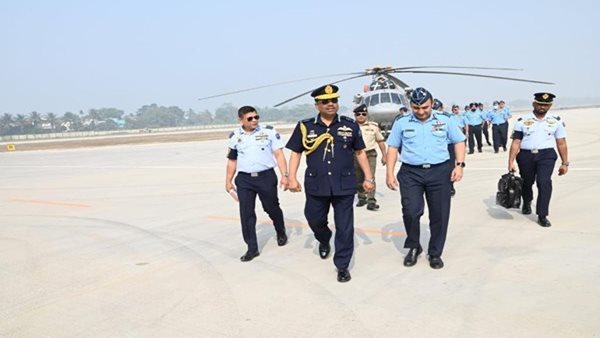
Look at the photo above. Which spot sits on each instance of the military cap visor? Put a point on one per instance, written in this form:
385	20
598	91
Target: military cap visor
543	98
360	109
325	92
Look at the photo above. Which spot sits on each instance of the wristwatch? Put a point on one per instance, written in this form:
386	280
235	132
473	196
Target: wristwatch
286	174
372	180
566	164
460	164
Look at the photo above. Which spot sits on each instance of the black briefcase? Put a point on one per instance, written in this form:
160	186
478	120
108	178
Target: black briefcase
509	192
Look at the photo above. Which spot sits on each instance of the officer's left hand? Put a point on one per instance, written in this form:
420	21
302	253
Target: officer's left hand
457	174
563	170
383	160
368	186
284	183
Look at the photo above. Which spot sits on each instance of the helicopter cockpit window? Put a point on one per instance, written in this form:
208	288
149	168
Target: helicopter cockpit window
367	100
374	100
385	97
396	98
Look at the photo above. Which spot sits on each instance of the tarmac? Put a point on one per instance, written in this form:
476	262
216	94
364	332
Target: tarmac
143	241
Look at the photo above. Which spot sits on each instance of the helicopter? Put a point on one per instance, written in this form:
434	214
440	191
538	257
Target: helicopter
386	94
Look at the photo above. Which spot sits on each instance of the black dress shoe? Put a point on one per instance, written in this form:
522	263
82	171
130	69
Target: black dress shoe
471	152
282	239
248	256
324	249
479	150
373	206
343	275
411	256
361	203
452	192
436	262
526	208
543	221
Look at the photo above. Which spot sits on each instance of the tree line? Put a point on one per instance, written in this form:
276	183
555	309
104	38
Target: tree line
148	116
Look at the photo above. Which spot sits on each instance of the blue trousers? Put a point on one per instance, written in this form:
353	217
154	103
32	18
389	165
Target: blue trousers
434	183
500	135
316	210
537	168
265	186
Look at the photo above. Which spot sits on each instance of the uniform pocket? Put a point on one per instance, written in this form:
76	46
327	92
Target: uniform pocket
310	180
348	179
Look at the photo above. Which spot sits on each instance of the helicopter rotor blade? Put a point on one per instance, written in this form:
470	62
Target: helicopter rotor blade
338	81
394	70
474	75
398	82
276	84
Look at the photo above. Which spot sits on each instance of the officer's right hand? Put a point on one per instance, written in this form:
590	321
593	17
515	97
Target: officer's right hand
392	183
294	185
512	167
229	186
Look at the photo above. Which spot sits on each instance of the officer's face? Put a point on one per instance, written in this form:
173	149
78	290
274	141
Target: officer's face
423	111
250	120
541	109
327	107
360	117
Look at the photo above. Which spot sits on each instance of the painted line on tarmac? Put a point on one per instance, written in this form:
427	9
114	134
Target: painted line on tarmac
104	167
305	226
62	204
204	167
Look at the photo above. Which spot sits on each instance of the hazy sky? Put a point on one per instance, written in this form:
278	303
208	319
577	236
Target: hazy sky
60	56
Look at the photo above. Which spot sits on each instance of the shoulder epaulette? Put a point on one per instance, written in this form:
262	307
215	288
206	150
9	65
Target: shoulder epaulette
446	114
346	118
520	119
307	120
374	123
557	117
268	126
399	116
231	135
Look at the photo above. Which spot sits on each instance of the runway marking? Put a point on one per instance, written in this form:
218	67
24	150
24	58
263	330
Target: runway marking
62	204
206	167
105	167
305	226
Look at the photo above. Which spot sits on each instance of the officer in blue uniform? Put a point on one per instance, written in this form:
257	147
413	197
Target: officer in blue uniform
330	142
426	169
486	125
499	119
253	152
533	140
474	118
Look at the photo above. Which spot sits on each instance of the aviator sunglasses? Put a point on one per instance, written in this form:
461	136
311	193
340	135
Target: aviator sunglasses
250	118
360	114
328	101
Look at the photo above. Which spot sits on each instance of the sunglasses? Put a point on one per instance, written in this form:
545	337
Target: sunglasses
250	118
328	101
360	114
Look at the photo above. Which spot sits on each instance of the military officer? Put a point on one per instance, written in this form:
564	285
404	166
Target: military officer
499	119
533	140
253	152
330	142
507	112
486	125
425	169
474	119
373	138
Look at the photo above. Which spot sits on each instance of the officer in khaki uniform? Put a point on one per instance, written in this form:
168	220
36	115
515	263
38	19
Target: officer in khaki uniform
373	138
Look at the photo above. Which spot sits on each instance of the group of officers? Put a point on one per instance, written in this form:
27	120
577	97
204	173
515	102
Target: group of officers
429	144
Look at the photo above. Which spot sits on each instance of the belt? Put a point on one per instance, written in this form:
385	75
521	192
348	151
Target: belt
423	166
256	174
499	124
536	151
